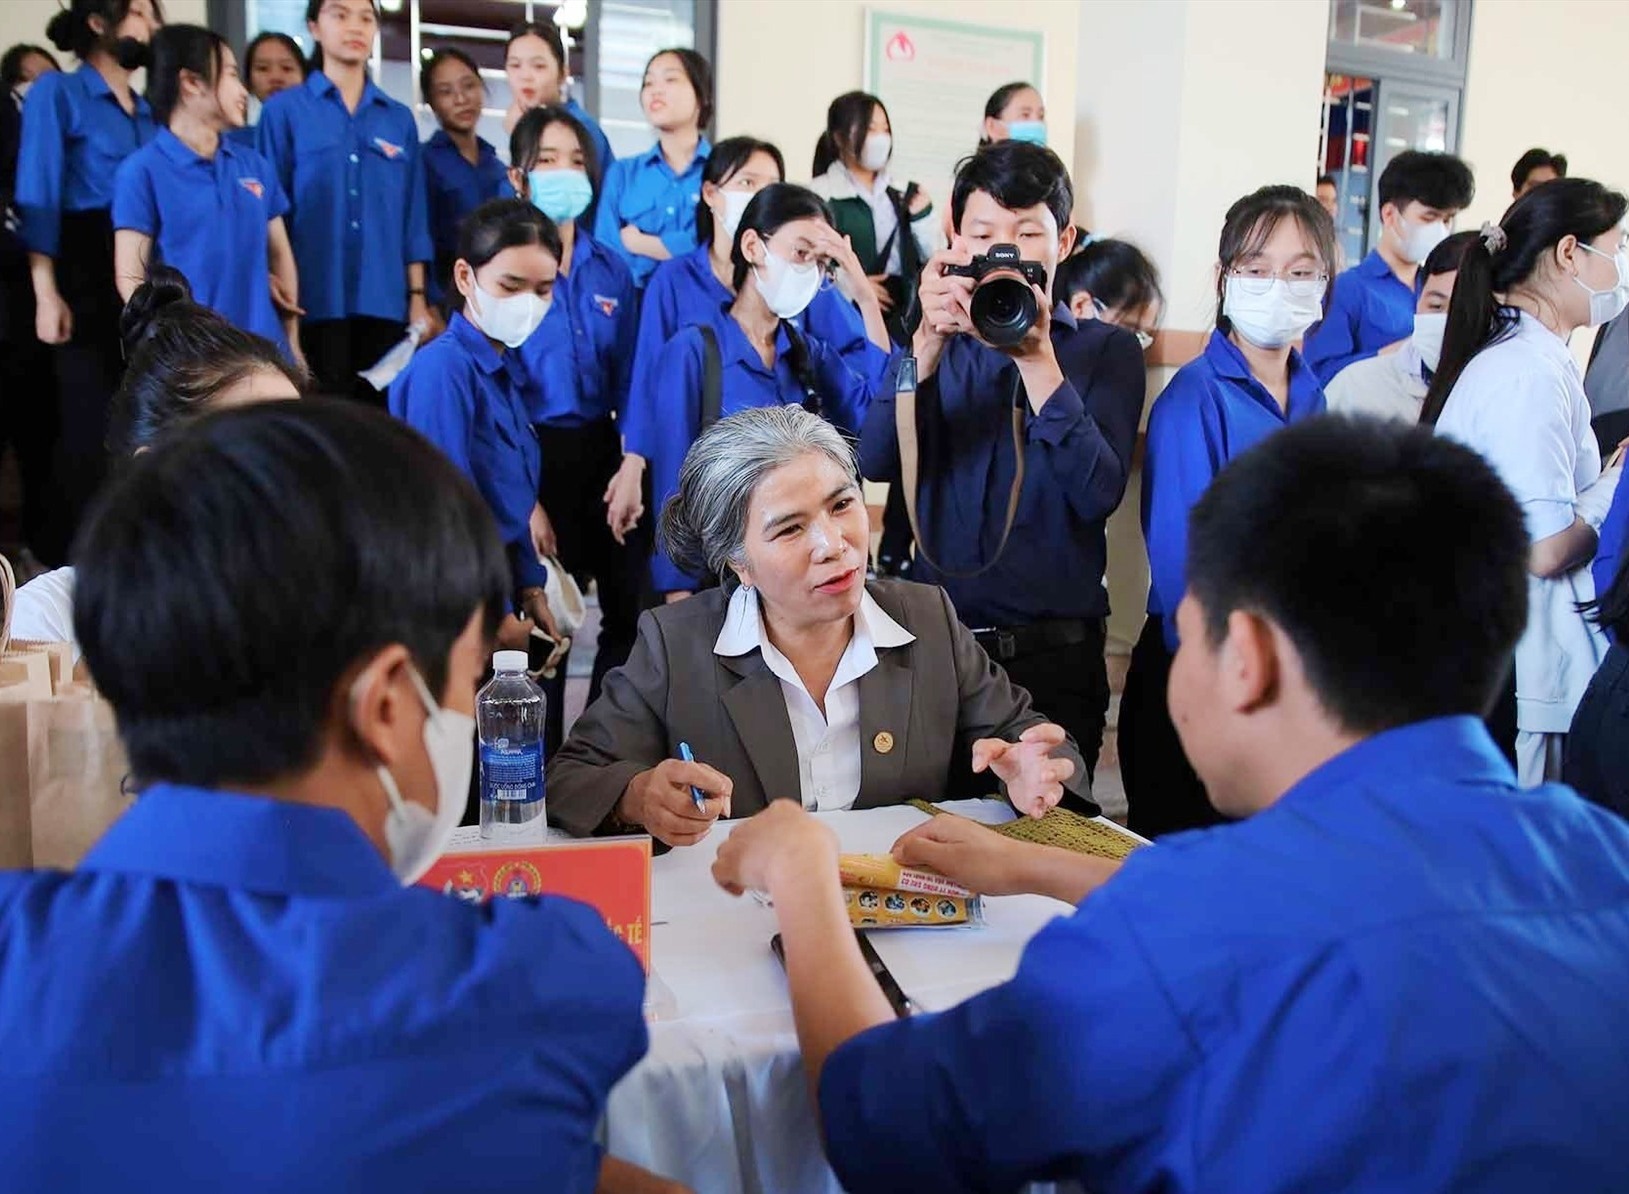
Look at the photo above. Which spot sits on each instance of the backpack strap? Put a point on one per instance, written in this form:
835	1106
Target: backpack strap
712	377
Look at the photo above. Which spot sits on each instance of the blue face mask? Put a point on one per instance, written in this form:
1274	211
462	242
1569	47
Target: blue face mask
560	194
1033	131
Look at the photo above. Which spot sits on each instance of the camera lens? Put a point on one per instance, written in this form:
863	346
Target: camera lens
1003	309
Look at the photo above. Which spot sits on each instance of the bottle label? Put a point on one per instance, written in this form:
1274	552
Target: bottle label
512	774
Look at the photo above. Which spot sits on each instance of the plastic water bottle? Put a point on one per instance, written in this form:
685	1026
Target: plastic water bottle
509	714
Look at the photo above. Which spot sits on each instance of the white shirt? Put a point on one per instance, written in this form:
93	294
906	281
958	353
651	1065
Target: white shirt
1521	404
44	610
1389	387
838	183
828	746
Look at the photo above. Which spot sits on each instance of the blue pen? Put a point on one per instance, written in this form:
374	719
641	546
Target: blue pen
695	793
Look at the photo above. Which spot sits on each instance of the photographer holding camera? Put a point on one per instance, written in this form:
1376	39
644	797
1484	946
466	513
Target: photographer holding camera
1017	426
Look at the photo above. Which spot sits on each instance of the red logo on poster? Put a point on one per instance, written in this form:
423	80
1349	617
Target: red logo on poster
900	48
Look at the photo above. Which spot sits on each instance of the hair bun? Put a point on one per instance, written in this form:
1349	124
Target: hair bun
165	287
60	30
680	538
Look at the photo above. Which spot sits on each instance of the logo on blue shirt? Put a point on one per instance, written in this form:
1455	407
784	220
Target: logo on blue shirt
606	304
254	186
385	147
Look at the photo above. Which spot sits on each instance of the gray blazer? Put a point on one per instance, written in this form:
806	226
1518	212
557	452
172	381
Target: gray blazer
934	697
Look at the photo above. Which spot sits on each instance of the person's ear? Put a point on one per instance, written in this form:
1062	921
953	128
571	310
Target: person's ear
97	26
1390	215
517	179
1081	305
993	130
1066	240
1566	254
463	277
753	246
1249	666
742	574
379	709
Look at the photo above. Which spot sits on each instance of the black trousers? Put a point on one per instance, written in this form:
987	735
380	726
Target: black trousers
1163	793
1069	685
338	349
88	366
578	463
28	409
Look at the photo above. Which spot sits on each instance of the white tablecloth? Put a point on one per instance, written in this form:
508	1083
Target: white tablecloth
720	1101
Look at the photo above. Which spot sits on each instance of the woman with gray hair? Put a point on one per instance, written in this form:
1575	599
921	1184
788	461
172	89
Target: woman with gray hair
797	679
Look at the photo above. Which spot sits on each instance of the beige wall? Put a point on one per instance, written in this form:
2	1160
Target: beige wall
25	20
780	62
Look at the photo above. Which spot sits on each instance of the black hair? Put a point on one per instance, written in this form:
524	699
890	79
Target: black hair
500	224
445	54
700	73
179	357
523	142
177	48
1444	259
539	29
998	101
848	120
313	9
1532	227
1535	159
1611	608
1326	180
1438	180
1016	175
1251	222
728	156
1345	533
282	39
70	29
1114	272
229	580
11	64
771	209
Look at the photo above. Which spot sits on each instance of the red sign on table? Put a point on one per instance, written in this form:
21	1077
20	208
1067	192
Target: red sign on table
612	876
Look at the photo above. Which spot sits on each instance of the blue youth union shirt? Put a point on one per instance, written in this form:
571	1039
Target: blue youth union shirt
75	135
208	218
1212	410
355	183
239	995
580	358
1369	308
457	188
645	192
1406	976
470	400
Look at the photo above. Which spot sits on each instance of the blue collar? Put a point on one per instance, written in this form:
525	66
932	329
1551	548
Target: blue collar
1224	357
96	87
653	157
247	843
321	84
440	140
700	266
735	348
182	154
473	340
1374	266
1445	750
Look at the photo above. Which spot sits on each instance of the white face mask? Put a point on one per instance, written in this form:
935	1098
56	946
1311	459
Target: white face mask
735	206
788	289
1429	327
415	836
1272	317
1606	305
1419	239
875	153
509	320
253	116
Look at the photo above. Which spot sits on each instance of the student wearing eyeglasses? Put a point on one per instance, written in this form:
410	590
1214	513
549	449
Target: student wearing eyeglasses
1275	256
1114	281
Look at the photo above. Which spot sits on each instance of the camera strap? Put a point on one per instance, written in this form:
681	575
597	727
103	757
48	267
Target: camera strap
910	464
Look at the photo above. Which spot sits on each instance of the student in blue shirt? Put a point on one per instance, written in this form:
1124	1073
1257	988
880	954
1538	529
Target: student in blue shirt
202	205
272	62
1354	988
461	170
1034	598
1273	268
240	983
1112	280
347	156
77	128
535	65
647	209
578	362
1371	305
699	288
467	391
784	248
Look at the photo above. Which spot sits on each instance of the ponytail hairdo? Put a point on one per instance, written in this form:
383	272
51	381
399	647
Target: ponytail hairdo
729	156
178	48
770	210
70	29
1114	272
847	122
500	224
179	357
998	101
1250	224
1505	257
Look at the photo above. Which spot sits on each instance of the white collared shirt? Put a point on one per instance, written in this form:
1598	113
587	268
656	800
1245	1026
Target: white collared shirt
828	746
1389	387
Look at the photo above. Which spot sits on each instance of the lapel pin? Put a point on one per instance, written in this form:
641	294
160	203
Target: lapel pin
883	742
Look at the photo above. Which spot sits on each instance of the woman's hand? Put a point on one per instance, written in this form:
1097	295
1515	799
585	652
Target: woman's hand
773	847
514	633
643	244
966	852
920	202
659	799
534	606
420	312
542	531
625	498
285	300
1034	779
53	321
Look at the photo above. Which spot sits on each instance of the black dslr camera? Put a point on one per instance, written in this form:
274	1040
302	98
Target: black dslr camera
1003	306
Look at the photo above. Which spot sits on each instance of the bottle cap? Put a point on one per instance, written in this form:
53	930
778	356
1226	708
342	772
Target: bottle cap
509	661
